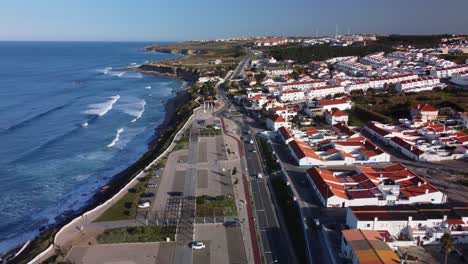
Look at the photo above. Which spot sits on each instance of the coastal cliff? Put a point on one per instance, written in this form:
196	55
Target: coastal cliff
187	74
163	49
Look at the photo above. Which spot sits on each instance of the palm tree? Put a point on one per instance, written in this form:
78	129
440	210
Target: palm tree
447	243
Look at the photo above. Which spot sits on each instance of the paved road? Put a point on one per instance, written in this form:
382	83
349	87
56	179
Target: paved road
276	244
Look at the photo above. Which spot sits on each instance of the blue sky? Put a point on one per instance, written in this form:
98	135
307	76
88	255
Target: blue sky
202	19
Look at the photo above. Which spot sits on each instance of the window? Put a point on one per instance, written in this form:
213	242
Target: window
368	225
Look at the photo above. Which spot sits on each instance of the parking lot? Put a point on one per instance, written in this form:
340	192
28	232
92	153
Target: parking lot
223	245
138	253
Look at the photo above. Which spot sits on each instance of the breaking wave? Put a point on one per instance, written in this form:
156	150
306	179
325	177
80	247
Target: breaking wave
116	138
102	108
133	107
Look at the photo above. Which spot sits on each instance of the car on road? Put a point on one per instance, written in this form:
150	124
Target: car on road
260	176
231	224
253	151
197	245
151	185
144	204
147	194
316	223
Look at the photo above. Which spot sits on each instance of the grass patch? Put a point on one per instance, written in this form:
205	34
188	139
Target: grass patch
126	207
183	143
210	132
355	120
136	234
220	205
388	107
267	155
292	217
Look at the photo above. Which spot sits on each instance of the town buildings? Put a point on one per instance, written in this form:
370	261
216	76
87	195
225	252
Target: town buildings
390	185
412	224
367	246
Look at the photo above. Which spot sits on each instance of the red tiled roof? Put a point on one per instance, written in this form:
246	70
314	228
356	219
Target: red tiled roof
333	101
277	118
285	133
338	113
302	150
413	149
311	131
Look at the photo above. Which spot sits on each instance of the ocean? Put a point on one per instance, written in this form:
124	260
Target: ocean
69	121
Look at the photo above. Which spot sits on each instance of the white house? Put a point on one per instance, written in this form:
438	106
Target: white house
412	225
425	112
389	185
336	116
418	85
292	96
275	121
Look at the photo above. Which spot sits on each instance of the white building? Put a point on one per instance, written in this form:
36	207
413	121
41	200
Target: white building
274	122
380	82
425	112
357	86
418	85
278	72
336	116
449	71
324	91
390	185
292	96
305	85
411	225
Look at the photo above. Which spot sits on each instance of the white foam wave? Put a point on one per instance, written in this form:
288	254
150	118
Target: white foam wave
116	138
85	124
105	70
134	107
102	108
116	73
148	87
140	113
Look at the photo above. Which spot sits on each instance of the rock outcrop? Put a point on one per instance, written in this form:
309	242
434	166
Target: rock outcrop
187	74
163	49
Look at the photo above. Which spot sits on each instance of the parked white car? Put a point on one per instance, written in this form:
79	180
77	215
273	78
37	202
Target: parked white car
144	204
197	245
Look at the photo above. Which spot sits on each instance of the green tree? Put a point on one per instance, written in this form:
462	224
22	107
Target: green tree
447	243
370	92
260	76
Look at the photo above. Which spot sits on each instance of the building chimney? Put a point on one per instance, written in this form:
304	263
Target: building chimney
419	184
410	220
444	218
427	191
376	219
411	148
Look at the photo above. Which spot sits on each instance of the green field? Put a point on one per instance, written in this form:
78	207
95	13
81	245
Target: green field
389	107
136	234
126	207
221	205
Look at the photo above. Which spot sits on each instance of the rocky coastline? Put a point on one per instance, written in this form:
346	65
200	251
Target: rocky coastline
179	72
